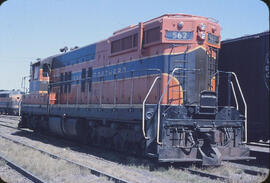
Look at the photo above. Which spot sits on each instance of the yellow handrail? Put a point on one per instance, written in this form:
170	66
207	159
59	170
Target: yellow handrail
171	76
245	104
143	115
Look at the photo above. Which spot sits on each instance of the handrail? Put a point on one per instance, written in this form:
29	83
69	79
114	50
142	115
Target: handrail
235	98
158	125
245	104
143	115
94	78
100	79
243	99
171	76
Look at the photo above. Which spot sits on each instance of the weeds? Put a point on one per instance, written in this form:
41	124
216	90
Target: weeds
48	168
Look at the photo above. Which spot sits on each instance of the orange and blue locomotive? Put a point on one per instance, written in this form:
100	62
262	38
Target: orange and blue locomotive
150	89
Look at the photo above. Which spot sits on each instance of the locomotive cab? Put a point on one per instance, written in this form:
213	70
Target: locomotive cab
39	91
39	78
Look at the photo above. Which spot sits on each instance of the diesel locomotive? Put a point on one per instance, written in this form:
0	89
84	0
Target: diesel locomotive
149	89
10	102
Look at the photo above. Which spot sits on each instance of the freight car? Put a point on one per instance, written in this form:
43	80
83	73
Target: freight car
248	57
10	101
149	89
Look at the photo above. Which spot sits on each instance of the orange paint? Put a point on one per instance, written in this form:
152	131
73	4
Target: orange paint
213	84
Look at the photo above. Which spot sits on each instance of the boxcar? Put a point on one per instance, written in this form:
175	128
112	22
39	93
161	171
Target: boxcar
248	57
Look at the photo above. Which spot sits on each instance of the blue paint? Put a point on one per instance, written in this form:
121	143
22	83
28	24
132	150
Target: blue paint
34	86
79	55
130	69
148	66
143	67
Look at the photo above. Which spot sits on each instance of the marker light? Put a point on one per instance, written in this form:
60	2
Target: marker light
202	26
180	25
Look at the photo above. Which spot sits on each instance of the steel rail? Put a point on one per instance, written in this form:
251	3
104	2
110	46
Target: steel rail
10	126
92	170
195	172
246	169
208	175
62	141
53	138
11	119
9	116
22	171
8	121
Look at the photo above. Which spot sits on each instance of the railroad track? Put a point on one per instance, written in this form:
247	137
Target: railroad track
208	175
68	144
92	170
22	170
13	118
247	169
192	171
212	176
259	144
6	122
4	125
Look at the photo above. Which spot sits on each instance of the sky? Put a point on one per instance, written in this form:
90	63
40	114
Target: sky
32	29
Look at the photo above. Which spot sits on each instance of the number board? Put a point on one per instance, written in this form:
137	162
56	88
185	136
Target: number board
179	35
213	39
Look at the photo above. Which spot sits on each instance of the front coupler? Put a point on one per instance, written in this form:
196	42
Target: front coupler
207	141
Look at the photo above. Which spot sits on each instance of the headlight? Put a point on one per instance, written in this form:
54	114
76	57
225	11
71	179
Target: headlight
202	26
180	25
